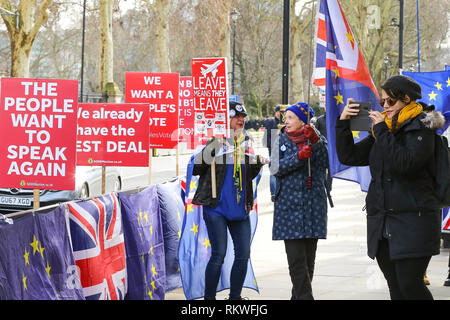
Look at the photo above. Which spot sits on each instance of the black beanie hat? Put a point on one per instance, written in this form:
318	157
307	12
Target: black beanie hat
398	86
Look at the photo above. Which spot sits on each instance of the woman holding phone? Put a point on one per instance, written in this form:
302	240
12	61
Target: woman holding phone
403	214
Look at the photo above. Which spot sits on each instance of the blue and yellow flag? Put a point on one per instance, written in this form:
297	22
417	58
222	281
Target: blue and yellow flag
144	245
36	260
435	90
195	248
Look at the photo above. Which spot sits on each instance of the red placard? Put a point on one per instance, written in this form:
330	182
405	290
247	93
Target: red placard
186	116
38	118
112	134
210	98
160	90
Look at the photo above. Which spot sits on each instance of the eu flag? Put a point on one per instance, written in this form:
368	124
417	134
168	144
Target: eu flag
144	245
435	90
341	69
36	261
195	249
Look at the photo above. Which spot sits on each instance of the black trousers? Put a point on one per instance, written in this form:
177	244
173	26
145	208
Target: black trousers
404	276
301	256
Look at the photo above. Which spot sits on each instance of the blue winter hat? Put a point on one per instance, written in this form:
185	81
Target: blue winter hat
301	111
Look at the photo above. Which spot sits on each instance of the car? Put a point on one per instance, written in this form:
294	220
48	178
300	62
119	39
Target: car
88	183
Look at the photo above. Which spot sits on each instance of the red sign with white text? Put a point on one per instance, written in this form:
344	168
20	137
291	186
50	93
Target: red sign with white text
112	134
38	118
160	90
186	117
210	97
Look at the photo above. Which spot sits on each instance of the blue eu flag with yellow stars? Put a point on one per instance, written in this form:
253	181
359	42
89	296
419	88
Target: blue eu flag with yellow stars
435	90
144	245
36	260
195	248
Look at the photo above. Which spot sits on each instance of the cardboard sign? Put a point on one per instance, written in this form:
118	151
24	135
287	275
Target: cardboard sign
186	116
210	97
112	134
160	90
38	118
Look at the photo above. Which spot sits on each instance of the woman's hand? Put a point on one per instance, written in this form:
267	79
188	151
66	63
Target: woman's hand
376	117
311	134
263	160
350	110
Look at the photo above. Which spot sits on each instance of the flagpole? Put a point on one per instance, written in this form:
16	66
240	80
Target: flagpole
418	35
285	82
400	38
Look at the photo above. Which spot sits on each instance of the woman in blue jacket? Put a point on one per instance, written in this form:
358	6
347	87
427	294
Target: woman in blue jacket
300	209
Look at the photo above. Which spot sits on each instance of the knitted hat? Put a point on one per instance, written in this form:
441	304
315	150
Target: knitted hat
400	85
236	109
301	111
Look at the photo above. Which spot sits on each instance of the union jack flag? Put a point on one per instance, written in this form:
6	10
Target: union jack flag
340	69
98	247
446	220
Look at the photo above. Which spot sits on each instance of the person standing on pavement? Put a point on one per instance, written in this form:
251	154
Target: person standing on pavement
300	209
403	214
235	170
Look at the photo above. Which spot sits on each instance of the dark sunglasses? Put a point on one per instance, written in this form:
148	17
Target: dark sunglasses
389	101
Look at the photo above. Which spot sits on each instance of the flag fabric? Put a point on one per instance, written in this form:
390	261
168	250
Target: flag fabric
340	68
435	90
98	247
172	211
446	220
195	248
144	245
36	261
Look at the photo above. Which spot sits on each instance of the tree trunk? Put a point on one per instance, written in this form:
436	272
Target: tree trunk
106	44
162	35
22	39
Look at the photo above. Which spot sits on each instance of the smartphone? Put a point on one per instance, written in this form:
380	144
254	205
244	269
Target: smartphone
361	122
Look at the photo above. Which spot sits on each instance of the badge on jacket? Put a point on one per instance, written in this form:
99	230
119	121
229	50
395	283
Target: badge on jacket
283	148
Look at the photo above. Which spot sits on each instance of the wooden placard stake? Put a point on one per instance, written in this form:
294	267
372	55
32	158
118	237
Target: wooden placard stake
36	199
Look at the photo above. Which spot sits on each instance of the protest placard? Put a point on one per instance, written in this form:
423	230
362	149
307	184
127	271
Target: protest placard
160	91
186	112
38	118
112	134
210	98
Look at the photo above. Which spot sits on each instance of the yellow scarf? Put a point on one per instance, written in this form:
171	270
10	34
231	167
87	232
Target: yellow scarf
410	111
239	152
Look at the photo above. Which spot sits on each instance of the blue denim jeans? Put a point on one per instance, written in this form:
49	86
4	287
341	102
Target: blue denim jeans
273	185
241	235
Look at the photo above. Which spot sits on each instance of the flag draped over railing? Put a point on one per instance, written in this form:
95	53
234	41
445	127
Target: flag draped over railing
195	248
340	68
36	261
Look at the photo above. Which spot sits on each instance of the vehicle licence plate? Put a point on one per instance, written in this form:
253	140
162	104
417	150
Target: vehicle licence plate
15	201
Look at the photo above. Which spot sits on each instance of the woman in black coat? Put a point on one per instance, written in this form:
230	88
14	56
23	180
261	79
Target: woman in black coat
403	214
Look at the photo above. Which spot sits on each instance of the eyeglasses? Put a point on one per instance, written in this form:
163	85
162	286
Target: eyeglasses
389	101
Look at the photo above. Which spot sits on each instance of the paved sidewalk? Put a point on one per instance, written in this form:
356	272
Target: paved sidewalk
343	270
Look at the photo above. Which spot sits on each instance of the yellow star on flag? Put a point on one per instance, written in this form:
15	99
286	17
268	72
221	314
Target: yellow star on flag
27	261
189	208
151	249
24	281
336	72
356	134
41	250
151	230
35	245
154	270
149	293
448	82
349	37
153	285
47	269
146	217
179	234
432	95
193	186
339	98
195	228
438	86
206	243
179	215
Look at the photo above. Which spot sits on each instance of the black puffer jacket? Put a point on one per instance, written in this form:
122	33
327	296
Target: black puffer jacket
401	203
202	167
